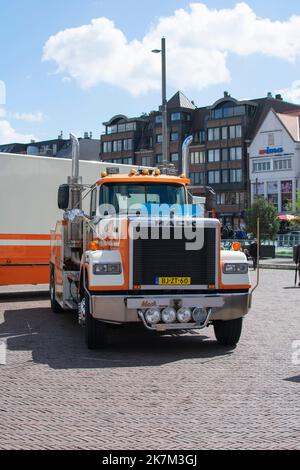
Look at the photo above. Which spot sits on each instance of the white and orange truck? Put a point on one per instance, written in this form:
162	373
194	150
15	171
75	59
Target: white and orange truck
143	254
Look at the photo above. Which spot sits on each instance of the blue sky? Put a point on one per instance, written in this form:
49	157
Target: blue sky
41	101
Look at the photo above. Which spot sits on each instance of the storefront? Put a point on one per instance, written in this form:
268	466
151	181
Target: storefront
274	161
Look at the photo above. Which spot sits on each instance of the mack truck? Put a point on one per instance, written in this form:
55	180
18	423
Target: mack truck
144	254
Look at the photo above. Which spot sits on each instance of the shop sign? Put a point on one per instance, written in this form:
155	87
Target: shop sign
270	150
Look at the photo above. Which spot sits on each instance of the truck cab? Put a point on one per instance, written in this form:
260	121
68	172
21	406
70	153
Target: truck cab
145	255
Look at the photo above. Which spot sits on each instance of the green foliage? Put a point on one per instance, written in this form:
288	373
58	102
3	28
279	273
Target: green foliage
297	207
267	213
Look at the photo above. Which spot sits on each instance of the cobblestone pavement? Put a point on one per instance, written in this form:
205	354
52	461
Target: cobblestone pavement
152	392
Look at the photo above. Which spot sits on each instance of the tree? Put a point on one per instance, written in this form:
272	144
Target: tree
267	213
296	209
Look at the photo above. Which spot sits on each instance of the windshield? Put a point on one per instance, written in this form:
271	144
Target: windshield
126	195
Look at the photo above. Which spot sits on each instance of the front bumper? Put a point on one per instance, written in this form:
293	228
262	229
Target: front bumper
125	309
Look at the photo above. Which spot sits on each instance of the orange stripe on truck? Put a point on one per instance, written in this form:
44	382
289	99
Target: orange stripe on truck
24	236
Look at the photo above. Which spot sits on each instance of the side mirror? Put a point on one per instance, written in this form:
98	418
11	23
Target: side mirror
211	199
63	196
199	200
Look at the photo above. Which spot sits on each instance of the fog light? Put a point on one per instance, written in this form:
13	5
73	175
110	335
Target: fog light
168	315
199	315
184	315
153	316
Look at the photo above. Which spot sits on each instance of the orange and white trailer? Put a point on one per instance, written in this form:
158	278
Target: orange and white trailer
28	209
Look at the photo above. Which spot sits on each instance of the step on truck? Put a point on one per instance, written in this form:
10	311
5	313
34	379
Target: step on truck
145	253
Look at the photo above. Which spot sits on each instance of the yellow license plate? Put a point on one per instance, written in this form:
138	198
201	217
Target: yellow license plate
173	281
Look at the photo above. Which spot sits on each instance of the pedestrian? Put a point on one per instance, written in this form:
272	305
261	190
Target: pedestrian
253	253
296	258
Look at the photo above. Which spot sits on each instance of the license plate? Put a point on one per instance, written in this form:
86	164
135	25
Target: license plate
173	281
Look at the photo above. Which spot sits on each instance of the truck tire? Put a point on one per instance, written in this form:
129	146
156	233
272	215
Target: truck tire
228	332
55	307
95	331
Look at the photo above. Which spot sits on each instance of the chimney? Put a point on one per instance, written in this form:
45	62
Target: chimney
86	135
91	135
278	97
269	95
226	94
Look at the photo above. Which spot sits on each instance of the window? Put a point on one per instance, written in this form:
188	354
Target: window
271	139
213	177
159	138
225	154
197	178
121	127
197	157
227	110
214	133
146	161
202	136
127	144
174	157
175	116
158	119
235	153
235	175
224	174
283	164
224	133
159	158
117	145
130	126
127	161
220	198
232	132
174	136
107	147
261	166
124	195
238	131
214	155
235	132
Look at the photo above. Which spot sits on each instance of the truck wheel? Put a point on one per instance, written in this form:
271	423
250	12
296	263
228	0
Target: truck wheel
95	331
55	307
228	332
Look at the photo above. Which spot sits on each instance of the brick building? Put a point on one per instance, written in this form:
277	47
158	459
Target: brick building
218	154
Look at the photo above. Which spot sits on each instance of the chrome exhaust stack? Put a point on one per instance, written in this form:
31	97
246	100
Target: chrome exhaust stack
75	202
185	155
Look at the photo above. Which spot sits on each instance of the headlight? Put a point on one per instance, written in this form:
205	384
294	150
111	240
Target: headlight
235	268
168	315
184	315
199	315
107	268
153	316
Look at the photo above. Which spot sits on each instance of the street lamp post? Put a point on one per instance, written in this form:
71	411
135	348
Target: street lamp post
164	101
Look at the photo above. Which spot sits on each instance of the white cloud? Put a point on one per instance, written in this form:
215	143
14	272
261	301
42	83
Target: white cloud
291	93
28	117
198	42
9	135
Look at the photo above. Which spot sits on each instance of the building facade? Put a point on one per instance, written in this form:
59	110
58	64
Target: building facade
89	148
139	140
222	133
274	157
